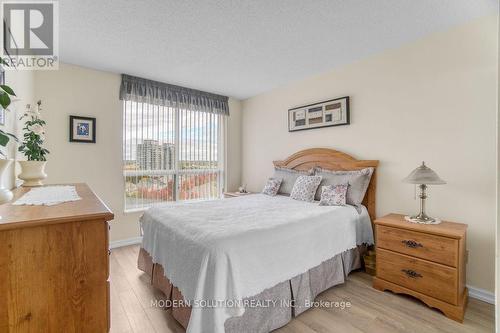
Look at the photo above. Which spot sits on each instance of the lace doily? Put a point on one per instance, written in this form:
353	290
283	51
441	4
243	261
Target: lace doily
409	219
48	195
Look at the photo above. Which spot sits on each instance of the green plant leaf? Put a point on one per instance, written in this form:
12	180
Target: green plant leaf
3	62
8	89
4	139
4	100
9	134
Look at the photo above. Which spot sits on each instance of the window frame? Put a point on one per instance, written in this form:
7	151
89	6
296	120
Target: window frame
176	172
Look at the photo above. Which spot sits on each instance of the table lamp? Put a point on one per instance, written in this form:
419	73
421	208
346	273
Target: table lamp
423	176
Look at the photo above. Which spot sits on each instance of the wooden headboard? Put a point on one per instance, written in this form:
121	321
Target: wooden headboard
334	160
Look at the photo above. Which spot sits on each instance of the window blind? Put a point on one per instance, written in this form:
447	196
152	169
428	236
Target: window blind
171	152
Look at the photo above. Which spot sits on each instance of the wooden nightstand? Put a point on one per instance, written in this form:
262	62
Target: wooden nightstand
425	261
235	194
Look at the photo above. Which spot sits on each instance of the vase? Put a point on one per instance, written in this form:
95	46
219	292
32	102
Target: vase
32	172
5	194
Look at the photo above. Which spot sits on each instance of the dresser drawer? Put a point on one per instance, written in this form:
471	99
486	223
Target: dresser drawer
429	278
439	249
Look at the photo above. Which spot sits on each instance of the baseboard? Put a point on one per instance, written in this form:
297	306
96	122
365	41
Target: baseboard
125	242
481	294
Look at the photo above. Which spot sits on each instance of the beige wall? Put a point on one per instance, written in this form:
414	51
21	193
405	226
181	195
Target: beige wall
23	84
432	100
74	90
233	151
497	261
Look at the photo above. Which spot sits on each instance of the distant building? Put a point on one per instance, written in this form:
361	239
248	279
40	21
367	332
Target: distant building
148	155
168	156
151	155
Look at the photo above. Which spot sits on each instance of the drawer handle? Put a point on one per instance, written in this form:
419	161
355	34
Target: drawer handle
411	244
411	274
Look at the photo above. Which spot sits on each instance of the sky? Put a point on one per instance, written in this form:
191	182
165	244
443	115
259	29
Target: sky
197	130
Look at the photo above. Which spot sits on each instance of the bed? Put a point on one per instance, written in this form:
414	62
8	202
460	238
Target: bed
250	264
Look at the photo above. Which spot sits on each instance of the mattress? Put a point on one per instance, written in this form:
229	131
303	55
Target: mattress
221	252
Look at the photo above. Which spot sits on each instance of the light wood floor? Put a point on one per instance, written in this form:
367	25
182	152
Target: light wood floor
371	310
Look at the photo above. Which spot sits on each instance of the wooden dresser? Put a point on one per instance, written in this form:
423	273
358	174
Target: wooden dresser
425	261
54	266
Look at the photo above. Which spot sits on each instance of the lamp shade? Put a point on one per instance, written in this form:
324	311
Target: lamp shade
424	175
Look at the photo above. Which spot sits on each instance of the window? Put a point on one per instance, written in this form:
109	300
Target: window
171	154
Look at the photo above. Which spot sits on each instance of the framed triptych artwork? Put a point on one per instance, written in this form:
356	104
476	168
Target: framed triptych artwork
334	112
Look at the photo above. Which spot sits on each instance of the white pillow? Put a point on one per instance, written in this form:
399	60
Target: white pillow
358	181
289	176
305	187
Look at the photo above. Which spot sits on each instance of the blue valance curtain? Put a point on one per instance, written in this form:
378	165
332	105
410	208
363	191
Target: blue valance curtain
153	92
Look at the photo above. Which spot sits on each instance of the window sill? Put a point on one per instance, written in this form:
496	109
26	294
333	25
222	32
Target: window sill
135	210
143	209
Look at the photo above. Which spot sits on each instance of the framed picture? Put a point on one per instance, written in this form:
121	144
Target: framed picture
334	112
81	129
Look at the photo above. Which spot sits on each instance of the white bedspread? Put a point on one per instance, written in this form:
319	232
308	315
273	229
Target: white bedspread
235	248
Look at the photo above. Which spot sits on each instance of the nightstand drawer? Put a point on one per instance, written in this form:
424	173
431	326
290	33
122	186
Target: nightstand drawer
435	248
431	279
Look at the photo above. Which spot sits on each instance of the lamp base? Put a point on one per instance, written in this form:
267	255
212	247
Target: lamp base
422	219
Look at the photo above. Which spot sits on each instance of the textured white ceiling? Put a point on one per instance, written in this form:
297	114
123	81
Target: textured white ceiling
243	48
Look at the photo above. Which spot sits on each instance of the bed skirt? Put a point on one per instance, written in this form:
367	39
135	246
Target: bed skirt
292	297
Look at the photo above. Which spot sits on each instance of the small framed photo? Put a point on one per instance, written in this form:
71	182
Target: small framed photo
81	129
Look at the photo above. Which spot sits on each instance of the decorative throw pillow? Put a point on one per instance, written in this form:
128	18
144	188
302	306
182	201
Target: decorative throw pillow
289	176
305	187
358	181
334	195
272	187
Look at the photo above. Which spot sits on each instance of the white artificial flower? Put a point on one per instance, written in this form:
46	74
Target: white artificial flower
31	111
36	128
